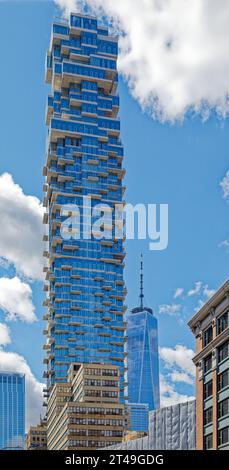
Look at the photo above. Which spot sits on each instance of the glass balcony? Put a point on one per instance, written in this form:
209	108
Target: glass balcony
60	30
104	63
108	47
60	126
87	23
115	100
49	110
75	73
105	105
89	110
48	68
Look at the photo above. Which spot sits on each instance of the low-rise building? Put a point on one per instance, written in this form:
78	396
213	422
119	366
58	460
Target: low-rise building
36	438
85	412
210	326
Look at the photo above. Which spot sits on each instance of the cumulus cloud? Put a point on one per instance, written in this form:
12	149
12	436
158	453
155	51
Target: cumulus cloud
180	369
169	309
21	233
10	361
179	359
16	300
208	292
181	377
196	290
225	185
173	55
4	335
169	395
178	292
4	264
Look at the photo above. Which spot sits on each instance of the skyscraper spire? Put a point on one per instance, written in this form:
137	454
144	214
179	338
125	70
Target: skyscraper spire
142	307
141	284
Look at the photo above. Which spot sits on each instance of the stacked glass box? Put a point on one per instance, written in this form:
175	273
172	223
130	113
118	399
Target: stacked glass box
84	285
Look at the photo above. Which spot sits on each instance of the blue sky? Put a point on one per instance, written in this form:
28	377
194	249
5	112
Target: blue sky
178	164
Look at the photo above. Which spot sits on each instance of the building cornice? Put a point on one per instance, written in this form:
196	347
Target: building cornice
209	307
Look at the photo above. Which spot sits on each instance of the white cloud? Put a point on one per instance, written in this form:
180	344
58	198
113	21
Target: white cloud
173	54
4	335
224	244
169	395
179	358
225	185
208	292
4	264
10	361
181	377
16	300
178	292
180	369
196	290
169	309
21	228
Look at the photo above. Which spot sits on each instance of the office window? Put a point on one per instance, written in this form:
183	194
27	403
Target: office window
223	351
208	442
208	416
222	322
208	336
223	408
208	389
223	380
223	436
207	363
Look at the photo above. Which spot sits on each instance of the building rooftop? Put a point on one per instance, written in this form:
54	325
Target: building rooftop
211	303
10	372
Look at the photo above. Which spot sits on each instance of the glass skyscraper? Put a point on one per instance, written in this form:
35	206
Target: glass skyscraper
84	276
142	349
12	410
138	417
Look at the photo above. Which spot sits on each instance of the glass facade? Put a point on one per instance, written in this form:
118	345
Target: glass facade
12	410
84	276
143	363
138	417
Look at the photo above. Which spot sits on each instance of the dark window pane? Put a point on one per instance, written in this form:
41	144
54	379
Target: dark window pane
208	336
223	351
208	416
222	322
208	389
208	441
223	408
223	436
223	380
207	363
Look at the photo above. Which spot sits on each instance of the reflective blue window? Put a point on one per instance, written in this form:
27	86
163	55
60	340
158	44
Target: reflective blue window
143	364
12	410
